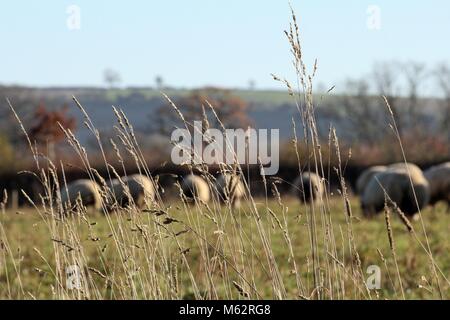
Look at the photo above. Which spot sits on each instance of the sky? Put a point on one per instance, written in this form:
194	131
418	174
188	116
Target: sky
208	42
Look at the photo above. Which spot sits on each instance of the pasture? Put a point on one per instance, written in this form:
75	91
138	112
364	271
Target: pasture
84	228
187	252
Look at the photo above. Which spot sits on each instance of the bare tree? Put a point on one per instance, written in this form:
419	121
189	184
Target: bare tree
159	82
111	77
442	74
415	74
360	112
251	84
386	81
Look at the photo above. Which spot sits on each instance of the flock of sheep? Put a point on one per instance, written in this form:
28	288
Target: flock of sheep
404	184
140	190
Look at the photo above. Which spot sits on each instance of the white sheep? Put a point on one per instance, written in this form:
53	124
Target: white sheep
397	183
365	177
439	179
309	187
136	188
86	190
407	167
230	188
195	187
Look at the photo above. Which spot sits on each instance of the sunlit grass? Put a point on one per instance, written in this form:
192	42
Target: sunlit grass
26	232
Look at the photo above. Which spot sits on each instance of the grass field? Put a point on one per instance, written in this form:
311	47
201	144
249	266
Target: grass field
147	256
198	248
260	96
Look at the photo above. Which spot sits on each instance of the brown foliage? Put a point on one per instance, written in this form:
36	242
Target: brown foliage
230	109
46	127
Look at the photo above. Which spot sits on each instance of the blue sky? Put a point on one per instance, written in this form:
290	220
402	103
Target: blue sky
207	42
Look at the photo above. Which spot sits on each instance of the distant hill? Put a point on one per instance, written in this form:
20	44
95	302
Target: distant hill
267	109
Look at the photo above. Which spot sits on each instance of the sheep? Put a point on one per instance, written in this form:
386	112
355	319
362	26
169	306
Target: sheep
139	187
365	177
367	174
439	179
230	187
309	187
407	167
397	183
195	188
87	190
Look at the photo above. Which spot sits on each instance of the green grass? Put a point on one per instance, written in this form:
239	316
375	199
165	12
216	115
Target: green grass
267	97
30	243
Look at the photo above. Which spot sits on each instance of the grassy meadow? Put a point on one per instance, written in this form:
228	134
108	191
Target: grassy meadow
272	247
189	253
